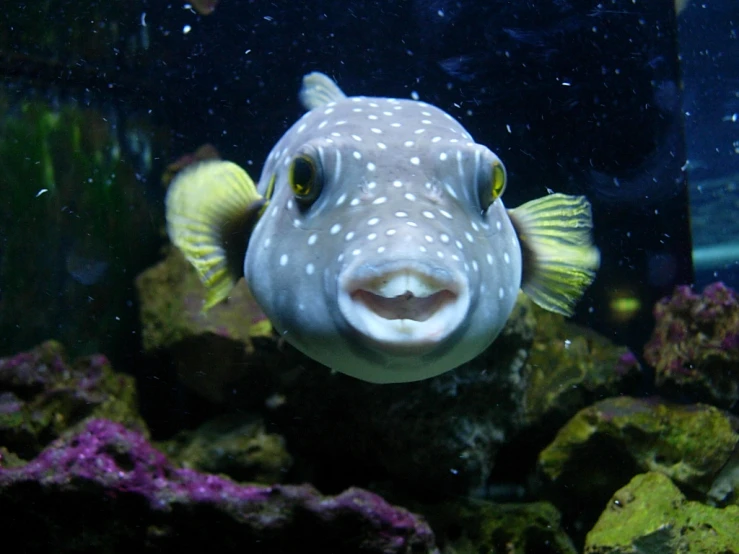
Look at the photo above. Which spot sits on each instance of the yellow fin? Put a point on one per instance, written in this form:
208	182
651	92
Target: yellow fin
318	90
559	258
209	209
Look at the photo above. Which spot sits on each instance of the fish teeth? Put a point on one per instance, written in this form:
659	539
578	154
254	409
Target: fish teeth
404	282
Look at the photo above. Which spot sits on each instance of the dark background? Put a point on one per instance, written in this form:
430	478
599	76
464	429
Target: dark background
575	96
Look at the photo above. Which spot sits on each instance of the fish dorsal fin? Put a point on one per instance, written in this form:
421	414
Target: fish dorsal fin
210	209
318	90
559	258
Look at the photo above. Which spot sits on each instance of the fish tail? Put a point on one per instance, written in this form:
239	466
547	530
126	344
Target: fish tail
209	208
318	90
559	258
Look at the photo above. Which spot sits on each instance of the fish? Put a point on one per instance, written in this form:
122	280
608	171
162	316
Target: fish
376	240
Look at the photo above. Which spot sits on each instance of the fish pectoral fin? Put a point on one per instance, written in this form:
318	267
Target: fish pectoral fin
211	208
318	90
559	258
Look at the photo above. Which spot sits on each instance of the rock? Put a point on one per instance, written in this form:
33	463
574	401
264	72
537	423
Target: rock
606	444
237	446
42	395
107	488
464	525
570	367
695	345
235	332
650	514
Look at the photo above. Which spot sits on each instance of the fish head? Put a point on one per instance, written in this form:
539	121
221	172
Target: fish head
385	251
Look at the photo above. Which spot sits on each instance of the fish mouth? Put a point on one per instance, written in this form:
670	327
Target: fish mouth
405	309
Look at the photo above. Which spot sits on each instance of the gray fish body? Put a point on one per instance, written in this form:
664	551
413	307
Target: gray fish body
399	214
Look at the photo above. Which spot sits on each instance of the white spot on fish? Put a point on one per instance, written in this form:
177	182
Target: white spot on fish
396	124
290	204
459	245
354	202
381	145
373	117
401	214
443	156
490	259
498	225
341	199
373	221
469	237
376	131
446	214
302	128
357	138
328	111
429	238
410	196
408	143
501	293
419	131
411	224
349	235
440	254
506	257
381	249
422	248
322	124
309	269
267	242
390	232
474	265
357	155
380	200
444	238
397	184
427	214
356	252
357	110
415	160
335	228
372	236
371	166
371	185
283	260
312	239
436	139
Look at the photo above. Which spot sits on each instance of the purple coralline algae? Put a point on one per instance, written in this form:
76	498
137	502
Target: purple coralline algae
695	345
106	474
42	395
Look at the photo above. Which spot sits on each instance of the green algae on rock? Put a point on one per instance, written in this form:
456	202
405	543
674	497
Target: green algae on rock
172	319
570	367
650	514
465	525
605	444
43	395
236	445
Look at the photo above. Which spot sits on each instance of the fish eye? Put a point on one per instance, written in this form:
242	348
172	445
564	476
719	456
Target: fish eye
498	179
493	182
303	178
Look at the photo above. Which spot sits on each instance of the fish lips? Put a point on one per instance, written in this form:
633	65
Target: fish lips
407	308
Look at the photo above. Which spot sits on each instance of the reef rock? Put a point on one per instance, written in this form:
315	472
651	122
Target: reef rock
695	345
651	515
236	445
212	350
42	395
466	525
106	488
606	444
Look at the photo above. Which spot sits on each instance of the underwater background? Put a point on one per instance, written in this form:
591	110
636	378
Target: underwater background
130	421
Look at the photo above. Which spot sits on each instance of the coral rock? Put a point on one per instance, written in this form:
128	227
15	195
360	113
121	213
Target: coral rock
651	515
125	494
695	345
42	394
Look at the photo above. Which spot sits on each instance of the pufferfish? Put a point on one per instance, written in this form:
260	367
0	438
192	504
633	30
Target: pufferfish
376	241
